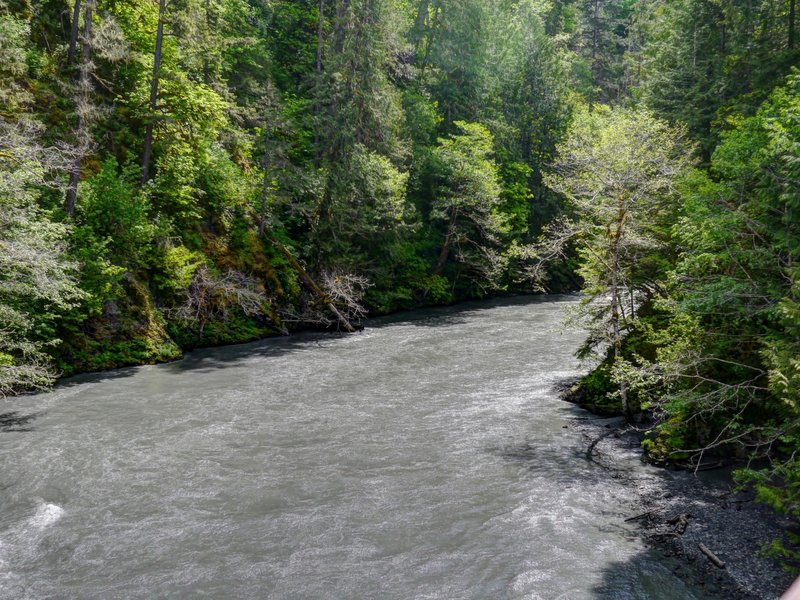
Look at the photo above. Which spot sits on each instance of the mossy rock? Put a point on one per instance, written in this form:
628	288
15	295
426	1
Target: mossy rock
594	392
130	331
661	445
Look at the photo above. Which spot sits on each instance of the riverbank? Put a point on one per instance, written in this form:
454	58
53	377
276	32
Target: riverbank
677	511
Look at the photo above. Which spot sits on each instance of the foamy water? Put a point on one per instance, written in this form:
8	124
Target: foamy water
46	514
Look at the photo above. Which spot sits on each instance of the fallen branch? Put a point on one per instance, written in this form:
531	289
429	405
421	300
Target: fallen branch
212	297
711	556
709	466
641	516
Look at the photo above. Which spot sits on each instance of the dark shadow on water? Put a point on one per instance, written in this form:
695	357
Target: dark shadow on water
558	464
653	575
217	357
523	452
211	359
457	314
16	422
97	376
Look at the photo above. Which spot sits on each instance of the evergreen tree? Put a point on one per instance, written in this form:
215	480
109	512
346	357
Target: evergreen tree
467	204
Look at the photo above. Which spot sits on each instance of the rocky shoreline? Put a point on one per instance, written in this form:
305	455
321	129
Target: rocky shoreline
678	512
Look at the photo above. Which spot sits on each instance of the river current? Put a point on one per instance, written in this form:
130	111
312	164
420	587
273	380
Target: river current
426	457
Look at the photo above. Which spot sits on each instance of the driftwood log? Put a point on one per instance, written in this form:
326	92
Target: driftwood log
681	522
711	556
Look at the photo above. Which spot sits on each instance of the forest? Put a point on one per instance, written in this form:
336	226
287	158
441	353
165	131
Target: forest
186	173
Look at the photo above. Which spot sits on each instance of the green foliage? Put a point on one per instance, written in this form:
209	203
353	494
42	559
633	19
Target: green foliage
177	268
617	168
779	488
467	205
37	281
130	331
236	330
707	60
117	215
732	325
14	34
515	196
455	54
663	444
596	391
422	117
364	207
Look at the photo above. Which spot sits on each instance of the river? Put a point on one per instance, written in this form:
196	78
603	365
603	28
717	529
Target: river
426	457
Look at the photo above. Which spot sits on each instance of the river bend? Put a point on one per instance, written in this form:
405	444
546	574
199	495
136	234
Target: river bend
426	457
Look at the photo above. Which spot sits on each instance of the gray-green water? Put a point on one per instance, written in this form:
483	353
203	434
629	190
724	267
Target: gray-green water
422	458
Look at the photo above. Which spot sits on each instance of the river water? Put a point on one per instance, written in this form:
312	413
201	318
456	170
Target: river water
426	457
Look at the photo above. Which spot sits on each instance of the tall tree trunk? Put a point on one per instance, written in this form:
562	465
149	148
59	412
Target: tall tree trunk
320	48
616	301
333	143
320	35
595	30
340	33
73	37
432	27
419	25
148	137
209	27
792	12
262	225
444	253
82	133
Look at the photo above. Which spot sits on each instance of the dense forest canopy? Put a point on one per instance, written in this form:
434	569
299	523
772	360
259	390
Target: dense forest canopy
177	173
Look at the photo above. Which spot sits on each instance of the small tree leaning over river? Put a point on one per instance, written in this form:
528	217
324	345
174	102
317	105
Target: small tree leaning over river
617	170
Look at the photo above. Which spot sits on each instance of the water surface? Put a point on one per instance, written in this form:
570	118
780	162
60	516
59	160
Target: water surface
426	457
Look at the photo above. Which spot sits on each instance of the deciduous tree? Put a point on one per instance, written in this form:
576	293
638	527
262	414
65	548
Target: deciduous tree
617	169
